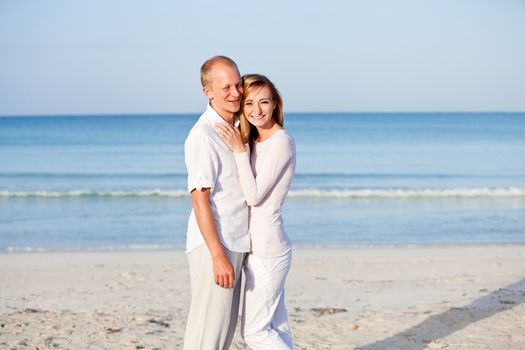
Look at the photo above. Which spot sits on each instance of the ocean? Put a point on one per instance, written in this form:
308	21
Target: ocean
83	183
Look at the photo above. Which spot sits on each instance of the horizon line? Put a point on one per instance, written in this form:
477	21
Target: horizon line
291	112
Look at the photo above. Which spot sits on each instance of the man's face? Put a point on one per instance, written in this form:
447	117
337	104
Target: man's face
224	90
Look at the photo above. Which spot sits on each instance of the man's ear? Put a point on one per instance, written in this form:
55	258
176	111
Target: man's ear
207	91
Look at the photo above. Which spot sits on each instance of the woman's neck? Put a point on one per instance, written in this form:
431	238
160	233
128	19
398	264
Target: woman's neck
265	133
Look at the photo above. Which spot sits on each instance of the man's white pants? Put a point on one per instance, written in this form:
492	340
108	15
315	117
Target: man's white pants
213	310
265	320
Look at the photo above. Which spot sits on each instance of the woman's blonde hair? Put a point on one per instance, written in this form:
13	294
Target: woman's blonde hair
253	82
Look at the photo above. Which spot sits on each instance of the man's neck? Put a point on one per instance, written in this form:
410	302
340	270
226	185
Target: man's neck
227	117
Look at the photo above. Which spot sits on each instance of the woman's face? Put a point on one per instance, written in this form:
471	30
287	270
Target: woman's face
258	107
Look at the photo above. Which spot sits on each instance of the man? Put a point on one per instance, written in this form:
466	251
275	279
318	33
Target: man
217	237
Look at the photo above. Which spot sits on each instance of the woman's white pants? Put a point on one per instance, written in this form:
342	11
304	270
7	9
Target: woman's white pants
265	320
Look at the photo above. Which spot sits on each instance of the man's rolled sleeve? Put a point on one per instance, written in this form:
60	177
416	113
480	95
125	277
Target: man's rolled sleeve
201	163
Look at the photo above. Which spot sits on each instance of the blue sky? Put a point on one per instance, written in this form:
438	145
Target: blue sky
112	57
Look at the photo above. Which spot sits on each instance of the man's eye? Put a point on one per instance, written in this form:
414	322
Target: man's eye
248	103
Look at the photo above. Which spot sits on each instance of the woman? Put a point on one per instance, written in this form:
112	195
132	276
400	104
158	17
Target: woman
266	168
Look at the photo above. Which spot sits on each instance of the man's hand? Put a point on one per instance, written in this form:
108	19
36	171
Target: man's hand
223	271
222	268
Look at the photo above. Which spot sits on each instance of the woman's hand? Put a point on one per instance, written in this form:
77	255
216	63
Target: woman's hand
231	137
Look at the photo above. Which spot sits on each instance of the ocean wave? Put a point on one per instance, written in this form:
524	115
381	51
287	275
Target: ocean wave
298	175
110	248
411	193
40	175
303	193
87	193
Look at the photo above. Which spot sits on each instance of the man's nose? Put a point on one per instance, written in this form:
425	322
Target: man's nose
236	92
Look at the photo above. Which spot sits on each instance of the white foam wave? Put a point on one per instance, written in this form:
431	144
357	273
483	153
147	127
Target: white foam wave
86	193
305	193
409	193
130	247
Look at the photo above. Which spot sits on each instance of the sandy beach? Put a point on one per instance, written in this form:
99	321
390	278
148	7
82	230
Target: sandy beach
438	297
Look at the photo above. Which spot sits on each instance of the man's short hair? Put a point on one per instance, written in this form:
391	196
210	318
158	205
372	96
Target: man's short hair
208	65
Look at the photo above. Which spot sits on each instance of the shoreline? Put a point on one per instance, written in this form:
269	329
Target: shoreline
181	248
430	297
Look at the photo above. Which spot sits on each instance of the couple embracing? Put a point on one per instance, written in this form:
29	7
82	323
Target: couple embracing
238	179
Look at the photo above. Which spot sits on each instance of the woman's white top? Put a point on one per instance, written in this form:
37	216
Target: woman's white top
265	176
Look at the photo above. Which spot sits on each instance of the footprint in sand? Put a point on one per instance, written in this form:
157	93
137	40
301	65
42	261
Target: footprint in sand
434	344
127	275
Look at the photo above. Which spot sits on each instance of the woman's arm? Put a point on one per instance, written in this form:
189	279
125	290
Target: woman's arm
231	137
276	160
256	188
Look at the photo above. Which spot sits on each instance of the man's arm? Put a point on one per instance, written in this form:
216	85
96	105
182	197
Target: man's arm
222	268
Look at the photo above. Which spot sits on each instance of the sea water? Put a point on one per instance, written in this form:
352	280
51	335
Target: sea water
119	182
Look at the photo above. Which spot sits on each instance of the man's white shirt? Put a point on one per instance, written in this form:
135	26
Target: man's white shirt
211	164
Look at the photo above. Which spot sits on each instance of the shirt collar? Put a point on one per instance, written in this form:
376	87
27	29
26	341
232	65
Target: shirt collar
213	117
